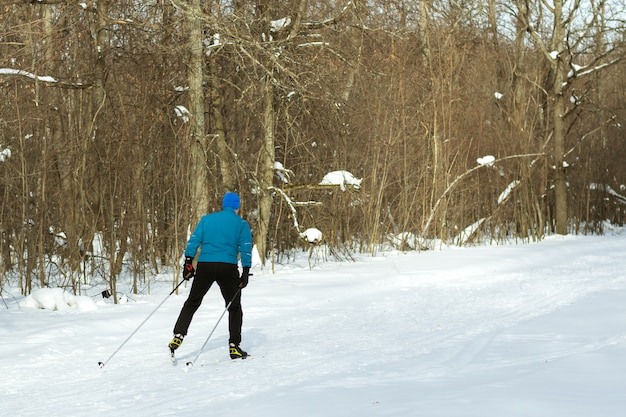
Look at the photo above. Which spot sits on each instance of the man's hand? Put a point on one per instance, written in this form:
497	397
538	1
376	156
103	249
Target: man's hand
188	269
243	280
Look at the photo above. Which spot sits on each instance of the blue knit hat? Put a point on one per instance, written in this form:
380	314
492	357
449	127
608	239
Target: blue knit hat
231	200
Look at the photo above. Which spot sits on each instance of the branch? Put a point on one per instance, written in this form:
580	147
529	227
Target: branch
41	78
331	21
453	184
316	187
9	2
294	213
610	191
581	72
591	132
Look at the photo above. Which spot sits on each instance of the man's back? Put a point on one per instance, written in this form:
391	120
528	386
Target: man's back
221	236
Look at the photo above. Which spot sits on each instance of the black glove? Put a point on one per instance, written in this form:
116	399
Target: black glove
243	280
188	269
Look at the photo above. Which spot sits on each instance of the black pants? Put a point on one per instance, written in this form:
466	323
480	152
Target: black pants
227	278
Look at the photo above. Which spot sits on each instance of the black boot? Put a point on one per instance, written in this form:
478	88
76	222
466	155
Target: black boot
176	342
236	352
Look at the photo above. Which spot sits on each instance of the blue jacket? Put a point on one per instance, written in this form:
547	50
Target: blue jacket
221	236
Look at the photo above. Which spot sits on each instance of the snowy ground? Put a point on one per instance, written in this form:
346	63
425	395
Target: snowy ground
529	330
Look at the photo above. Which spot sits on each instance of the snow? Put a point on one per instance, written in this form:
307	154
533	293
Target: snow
282	173
487	160
4	153
11	71
609	190
312	235
57	299
277	25
507	191
509	330
182	112
341	178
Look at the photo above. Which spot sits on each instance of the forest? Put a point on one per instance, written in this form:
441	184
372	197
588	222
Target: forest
453	122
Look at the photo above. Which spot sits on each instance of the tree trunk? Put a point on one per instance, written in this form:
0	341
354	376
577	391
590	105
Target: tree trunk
199	179
559	70
226	157
266	168
519	69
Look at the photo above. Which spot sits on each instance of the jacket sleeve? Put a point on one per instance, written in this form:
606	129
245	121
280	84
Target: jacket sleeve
195	240
245	245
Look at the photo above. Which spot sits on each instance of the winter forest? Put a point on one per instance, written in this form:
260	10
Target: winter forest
346	126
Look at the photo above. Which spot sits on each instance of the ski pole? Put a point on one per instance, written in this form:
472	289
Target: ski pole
101	364
190	363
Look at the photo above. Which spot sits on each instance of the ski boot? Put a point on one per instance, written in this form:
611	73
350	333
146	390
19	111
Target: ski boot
236	352
176	342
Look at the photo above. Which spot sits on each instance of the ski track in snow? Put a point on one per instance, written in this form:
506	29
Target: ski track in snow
411	328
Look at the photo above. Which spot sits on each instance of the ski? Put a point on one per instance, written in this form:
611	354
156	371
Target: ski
190	364
173	357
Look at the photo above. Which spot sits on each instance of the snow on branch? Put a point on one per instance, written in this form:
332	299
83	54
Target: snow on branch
279	24
5	154
580	71
10	71
182	113
316	43
43	78
282	173
485	161
507	191
311	235
607	189
341	179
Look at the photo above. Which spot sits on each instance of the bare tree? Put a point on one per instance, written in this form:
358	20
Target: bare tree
123	122
566	50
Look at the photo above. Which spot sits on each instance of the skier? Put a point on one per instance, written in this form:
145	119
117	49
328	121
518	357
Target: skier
221	237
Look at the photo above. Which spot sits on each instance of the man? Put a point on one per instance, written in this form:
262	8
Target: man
221	237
